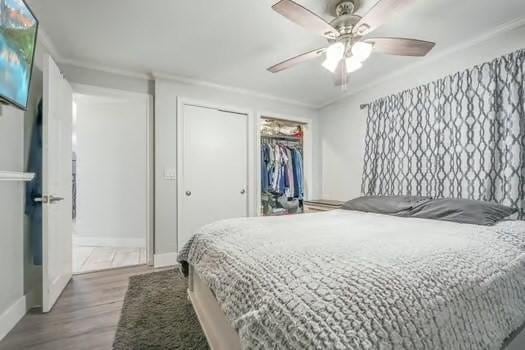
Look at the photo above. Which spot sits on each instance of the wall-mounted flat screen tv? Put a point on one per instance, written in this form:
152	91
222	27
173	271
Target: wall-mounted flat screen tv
18	31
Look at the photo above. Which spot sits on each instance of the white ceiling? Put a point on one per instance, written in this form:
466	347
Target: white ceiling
232	42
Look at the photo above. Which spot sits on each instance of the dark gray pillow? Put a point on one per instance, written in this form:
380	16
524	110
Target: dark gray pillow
463	211
391	205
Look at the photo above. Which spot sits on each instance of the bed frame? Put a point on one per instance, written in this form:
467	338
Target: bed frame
222	336
216	327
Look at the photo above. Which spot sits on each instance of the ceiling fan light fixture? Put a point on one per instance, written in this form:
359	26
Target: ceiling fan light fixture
331	64
335	52
347	49
353	64
362	50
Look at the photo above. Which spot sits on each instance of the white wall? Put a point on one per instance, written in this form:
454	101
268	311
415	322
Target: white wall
11	218
343	124
111	148
166	94
21	280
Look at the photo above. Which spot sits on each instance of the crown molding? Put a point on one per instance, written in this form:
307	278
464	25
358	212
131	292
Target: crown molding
47	43
504	28
105	69
183	80
233	89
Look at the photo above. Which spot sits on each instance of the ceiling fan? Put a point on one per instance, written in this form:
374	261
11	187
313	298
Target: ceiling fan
348	37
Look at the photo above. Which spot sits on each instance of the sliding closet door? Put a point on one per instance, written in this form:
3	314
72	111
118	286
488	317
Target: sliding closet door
214	168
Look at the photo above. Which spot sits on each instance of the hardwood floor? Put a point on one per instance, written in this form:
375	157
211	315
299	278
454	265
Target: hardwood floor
88	259
85	316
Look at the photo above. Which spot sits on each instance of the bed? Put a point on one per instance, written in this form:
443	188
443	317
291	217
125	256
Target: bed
346	279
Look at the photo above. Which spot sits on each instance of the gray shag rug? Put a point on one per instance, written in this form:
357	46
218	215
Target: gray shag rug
157	315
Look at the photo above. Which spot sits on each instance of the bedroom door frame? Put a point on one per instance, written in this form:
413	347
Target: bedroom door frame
307	153
150	138
251	188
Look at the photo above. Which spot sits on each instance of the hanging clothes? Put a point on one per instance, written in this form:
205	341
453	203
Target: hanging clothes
279	170
276	169
298	174
265	168
34	189
284	183
289	166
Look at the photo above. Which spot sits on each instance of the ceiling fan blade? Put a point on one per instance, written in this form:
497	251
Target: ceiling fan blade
341	76
305	18
379	14
296	60
401	46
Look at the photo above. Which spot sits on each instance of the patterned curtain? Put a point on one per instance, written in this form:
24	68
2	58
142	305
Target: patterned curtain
459	137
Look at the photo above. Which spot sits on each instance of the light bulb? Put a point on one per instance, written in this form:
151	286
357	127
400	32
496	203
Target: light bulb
331	64
336	51
334	55
362	50
353	64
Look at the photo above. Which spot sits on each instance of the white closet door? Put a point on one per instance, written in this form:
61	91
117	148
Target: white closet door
214	168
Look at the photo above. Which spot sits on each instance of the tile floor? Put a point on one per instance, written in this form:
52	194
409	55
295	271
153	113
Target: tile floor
88	259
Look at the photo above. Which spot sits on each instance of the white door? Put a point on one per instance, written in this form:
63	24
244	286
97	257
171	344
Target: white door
57	182
214	168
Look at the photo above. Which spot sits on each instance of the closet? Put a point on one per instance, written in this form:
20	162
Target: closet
282	167
213	167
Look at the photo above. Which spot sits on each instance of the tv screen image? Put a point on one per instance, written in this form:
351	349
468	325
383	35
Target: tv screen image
18	31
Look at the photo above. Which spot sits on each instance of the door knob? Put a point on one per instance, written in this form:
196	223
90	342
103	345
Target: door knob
188	193
48	199
243	191
42	199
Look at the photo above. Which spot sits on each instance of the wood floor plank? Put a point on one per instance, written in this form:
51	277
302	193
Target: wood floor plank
85	316
52	333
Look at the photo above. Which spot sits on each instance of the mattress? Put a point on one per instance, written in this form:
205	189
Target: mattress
345	279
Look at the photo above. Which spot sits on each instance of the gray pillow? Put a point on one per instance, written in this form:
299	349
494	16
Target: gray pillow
391	205
463	211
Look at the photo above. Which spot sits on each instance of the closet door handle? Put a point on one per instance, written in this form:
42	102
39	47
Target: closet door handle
243	191
188	193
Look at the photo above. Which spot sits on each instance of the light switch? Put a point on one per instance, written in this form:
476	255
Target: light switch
170	174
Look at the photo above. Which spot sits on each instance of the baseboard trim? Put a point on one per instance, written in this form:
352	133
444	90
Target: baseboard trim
33	300
93	241
166	259
10	317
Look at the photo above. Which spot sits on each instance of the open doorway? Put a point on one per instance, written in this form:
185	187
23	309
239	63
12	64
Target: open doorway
282	171
290	138
111	179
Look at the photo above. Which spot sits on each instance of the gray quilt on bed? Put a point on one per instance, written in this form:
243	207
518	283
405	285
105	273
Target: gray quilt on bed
352	280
